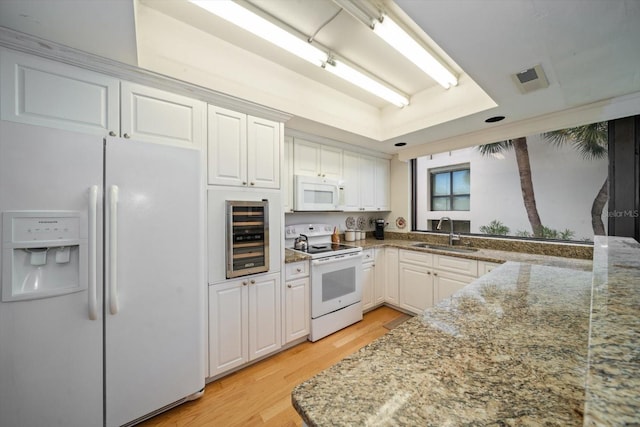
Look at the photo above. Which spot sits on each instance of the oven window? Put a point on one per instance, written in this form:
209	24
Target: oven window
336	284
317	196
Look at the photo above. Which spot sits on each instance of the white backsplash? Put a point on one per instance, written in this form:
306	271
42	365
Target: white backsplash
337	219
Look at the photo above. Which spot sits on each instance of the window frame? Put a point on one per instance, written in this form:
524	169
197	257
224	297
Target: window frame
450	196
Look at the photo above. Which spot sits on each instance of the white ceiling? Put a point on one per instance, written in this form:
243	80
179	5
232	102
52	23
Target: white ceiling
587	48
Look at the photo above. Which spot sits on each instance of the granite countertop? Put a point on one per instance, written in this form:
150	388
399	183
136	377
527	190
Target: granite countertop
613	379
512	348
489	255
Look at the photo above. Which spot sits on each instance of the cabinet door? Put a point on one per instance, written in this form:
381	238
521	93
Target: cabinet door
367	183
263	153
447	284
228	324
368	283
287	175
379	277
382	187
227	147
391	267
306	158
153	115
485	267
297	309
331	163
46	93
416	287
351	180
264	315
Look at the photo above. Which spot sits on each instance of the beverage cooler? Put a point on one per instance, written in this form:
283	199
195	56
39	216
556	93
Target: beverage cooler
247	237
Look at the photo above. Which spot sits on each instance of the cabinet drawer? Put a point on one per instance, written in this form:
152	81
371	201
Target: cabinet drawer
456	265
368	256
416	257
296	270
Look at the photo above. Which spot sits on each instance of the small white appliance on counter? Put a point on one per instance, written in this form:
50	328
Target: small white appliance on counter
102	307
336	278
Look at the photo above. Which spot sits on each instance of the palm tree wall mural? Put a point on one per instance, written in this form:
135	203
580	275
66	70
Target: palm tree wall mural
519	145
591	141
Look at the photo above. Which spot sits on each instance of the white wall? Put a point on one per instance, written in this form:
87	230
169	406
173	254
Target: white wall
565	185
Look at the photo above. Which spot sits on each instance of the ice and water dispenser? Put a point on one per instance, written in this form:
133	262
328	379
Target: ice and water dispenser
44	254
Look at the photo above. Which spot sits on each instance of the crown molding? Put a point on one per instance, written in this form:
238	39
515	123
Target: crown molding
53	51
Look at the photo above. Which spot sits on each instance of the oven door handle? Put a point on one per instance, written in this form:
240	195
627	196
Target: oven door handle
337	258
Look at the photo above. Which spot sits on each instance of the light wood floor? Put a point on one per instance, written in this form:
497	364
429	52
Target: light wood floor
260	395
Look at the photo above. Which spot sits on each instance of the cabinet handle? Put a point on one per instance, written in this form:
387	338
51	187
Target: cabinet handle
299	270
253	183
126	135
253	282
244	283
319	174
428	272
435	274
112	133
244	182
323	175
289	285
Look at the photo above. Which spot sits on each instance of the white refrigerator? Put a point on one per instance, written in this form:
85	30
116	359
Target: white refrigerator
102	306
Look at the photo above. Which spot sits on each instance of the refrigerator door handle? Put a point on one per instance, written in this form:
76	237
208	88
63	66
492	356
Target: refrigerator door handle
113	249
93	246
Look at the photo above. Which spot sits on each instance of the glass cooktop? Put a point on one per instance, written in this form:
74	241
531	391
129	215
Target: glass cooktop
328	249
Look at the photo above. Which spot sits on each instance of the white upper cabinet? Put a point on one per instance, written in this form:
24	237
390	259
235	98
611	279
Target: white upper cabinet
312	159
153	115
227	147
383	185
367	183
351	180
46	93
287	175
263	153
243	151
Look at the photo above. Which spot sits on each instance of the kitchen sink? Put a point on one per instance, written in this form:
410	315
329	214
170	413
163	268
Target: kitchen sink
444	248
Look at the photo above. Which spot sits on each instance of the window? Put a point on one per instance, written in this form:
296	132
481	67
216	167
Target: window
458	226
450	190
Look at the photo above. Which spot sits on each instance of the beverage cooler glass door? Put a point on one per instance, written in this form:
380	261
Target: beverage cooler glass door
335	283
247	238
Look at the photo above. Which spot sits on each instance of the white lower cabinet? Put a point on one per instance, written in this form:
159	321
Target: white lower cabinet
391	289
297	305
485	267
380	277
368	279
244	321
446	284
425	279
416	287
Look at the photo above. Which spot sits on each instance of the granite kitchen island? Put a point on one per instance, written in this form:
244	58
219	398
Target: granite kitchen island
512	348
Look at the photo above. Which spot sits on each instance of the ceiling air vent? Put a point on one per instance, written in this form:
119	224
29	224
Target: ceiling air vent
531	79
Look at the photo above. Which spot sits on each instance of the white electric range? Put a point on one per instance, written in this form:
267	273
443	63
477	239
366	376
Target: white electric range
336	278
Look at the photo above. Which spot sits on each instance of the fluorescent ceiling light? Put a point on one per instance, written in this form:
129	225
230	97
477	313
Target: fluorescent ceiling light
354	76
397	38
265	29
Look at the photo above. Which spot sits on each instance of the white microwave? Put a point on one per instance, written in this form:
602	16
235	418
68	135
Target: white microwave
314	193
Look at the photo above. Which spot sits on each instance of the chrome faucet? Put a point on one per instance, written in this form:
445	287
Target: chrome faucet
452	237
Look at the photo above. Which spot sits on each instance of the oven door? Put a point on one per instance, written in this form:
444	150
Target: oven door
336	282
